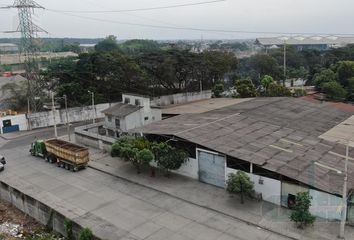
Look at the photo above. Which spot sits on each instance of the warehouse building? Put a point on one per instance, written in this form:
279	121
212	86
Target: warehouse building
282	143
302	43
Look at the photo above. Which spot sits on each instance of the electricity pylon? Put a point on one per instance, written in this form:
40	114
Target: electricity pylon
29	49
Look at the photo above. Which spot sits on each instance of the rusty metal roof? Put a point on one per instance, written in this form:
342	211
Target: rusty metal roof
278	134
121	110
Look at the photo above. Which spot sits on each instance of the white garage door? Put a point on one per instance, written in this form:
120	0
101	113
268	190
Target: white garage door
211	168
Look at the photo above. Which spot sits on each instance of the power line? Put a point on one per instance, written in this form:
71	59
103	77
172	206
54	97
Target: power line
142	9
200	29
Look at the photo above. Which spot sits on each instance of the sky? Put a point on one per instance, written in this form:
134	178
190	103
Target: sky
283	16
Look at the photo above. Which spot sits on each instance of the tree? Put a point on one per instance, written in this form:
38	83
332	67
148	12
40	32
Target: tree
323	77
169	158
350	89
143	157
134	150
239	183
245	88
266	81
265	65
334	91
345	70
218	89
109	44
301	214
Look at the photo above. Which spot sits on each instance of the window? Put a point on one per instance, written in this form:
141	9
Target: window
117	123
126	100
109	118
146	118
137	102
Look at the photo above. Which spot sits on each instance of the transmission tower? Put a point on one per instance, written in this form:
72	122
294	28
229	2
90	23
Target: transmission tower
29	49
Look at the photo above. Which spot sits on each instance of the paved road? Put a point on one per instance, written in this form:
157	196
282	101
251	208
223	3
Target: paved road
118	209
45	133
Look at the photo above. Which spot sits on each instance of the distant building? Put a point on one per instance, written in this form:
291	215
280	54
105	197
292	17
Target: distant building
135	111
8	47
85	48
303	43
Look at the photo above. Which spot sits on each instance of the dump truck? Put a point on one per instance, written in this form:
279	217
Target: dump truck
65	154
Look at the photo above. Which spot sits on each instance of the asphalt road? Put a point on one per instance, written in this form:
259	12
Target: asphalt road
44	133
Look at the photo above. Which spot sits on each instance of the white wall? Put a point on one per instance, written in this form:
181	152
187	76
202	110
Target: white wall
270	189
325	205
45	119
16	120
188	169
181	98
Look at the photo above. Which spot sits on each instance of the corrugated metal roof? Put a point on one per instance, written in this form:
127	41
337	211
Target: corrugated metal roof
314	40
8	45
121	110
279	134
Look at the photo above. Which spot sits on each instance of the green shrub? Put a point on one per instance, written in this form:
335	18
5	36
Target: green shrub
218	89
240	183
299	93
334	91
69	229
86	234
245	88
301	214
276	90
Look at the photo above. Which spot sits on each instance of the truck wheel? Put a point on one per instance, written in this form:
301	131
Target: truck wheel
67	166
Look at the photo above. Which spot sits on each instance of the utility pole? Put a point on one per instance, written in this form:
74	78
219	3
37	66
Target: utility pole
54	120
284	63
67	117
93	106
344	196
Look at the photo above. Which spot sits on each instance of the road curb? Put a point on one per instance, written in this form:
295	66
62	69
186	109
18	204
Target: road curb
196	204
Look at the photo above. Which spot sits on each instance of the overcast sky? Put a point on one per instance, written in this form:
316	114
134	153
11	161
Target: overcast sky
317	16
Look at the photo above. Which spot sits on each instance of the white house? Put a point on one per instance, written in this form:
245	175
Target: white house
135	111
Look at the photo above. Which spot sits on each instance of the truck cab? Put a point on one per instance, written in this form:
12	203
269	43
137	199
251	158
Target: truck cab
38	148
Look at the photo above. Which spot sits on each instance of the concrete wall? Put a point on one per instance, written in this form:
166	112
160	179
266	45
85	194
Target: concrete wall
84	136
181	98
45	119
42	212
270	189
188	169
323	205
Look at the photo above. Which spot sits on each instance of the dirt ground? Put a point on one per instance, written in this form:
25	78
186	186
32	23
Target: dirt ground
25	226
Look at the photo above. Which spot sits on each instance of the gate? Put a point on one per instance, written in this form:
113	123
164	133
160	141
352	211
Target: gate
211	168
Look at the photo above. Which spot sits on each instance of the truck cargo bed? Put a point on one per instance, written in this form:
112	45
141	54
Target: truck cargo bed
63	150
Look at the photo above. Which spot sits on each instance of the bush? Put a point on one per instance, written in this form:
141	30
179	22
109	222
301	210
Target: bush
334	91
218	89
135	150
299	93
169	158
86	234
276	90
69	229
301	214
245	88
240	183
